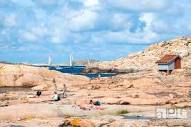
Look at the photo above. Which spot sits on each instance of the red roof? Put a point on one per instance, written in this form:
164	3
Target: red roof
167	58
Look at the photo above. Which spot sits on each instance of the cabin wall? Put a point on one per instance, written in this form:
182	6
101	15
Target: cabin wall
178	64
171	66
164	67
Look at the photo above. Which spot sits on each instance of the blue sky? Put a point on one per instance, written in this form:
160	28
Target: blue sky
31	30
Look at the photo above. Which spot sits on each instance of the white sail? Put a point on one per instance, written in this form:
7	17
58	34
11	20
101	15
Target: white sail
49	61
88	62
71	60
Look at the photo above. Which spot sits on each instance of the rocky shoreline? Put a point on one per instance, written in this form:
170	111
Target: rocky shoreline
127	99
108	70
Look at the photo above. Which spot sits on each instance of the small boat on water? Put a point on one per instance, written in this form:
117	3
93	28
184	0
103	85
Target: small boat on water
58	68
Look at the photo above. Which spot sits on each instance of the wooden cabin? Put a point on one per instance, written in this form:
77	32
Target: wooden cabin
169	62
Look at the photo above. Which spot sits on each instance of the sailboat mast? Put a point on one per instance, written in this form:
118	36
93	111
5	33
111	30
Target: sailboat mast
49	61
71	59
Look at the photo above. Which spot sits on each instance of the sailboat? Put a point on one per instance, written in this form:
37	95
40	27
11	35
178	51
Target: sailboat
71	60
49	61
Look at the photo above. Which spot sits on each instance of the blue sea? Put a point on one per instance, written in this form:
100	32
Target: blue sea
77	70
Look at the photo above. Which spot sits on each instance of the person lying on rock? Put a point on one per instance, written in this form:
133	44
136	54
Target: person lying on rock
91	105
96	103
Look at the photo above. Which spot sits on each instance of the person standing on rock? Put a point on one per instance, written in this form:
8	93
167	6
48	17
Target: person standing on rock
55	86
64	91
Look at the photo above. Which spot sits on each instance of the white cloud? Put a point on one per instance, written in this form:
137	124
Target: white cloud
25	3
47	2
84	20
138	5
120	21
119	37
34	34
149	19
10	20
39	31
28	36
90	3
57	36
96	22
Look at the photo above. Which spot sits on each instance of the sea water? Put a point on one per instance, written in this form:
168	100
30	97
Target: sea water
77	70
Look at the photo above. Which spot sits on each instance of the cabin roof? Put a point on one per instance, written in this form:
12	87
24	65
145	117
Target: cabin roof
167	59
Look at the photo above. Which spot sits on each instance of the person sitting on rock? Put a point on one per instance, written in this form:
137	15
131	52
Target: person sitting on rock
56	97
38	93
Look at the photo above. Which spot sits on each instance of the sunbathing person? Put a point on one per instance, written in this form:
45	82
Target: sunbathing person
96	103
